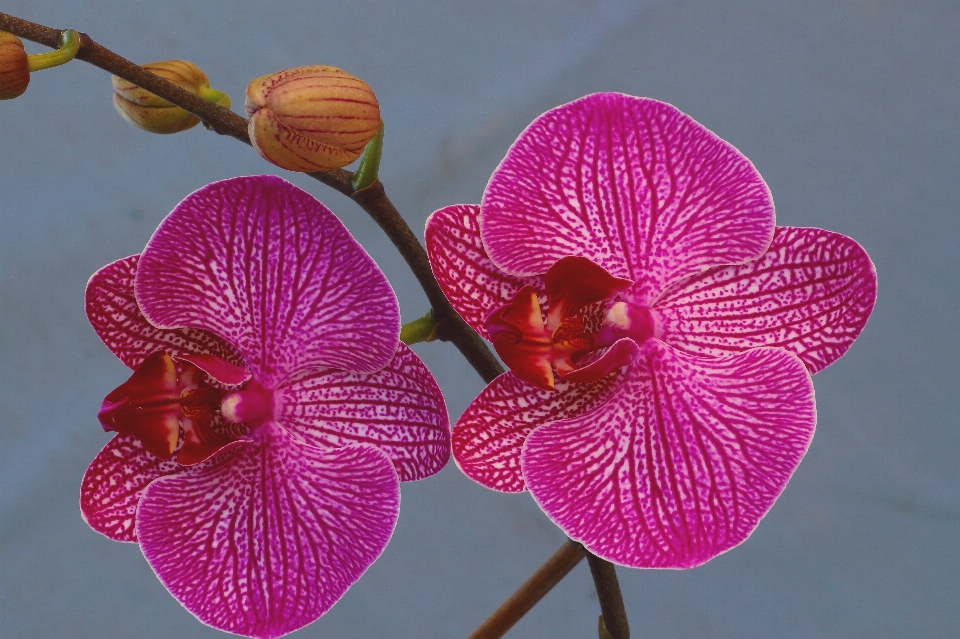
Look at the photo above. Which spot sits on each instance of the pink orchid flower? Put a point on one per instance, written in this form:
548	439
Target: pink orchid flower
660	331
271	415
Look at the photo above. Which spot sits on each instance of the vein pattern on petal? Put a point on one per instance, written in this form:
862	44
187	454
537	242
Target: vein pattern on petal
112	310
115	481
682	463
489	436
399	409
268	542
267	267
473	284
632	184
810	293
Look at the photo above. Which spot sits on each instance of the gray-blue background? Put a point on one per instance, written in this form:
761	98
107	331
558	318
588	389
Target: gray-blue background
848	108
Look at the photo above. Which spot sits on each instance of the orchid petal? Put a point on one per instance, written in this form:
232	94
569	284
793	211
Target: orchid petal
632	184
810	293
268	542
114	481
267	267
682	463
399	409
116	478
472	283
489	436
112	310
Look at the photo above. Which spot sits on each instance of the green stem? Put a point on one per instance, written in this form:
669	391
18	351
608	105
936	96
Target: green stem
424	329
212	95
69	45
369	169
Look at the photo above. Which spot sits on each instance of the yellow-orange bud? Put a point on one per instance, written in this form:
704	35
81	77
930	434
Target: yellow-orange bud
311	118
14	70
151	113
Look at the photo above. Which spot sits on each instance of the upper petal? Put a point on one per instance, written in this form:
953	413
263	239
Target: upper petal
399	409
267	267
473	284
489	436
632	184
682	463
810	293
112	310
269	540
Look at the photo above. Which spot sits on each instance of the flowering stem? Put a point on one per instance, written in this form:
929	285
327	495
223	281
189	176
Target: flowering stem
369	169
424	329
533	589
68	44
374	201
614	615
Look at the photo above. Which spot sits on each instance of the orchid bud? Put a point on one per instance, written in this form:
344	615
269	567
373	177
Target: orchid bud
312	118
152	113
14	70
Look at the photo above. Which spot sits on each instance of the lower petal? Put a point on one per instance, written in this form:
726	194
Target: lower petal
269	540
682	463
489	436
115	481
471	282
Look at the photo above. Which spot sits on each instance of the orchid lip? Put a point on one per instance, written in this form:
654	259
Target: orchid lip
539	348
166	403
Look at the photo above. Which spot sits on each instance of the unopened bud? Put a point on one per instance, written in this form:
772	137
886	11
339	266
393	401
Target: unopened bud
14	70
152	113
311	118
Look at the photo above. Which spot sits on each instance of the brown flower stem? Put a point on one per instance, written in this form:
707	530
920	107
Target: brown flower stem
611	601
533	590
373	199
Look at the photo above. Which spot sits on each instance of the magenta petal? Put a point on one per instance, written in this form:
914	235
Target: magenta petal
114	481
112	310
472	283
398	409
269	540
267	267
489	436
810	293
632	184
682	463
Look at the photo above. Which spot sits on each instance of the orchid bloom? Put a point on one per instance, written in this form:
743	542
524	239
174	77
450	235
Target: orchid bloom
660	331
271	415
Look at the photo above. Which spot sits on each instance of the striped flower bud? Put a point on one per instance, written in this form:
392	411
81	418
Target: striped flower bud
151	113
14	70
312	118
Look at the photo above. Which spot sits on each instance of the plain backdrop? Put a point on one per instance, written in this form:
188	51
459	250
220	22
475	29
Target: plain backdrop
848	108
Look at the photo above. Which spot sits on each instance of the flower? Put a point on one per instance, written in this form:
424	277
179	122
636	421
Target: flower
272	412
660	330
312	118
154	114
14	68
